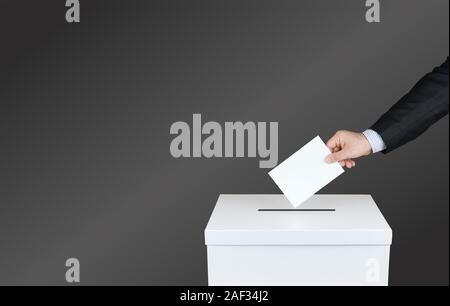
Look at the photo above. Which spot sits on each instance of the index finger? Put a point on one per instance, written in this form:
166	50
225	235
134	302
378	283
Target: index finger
333	142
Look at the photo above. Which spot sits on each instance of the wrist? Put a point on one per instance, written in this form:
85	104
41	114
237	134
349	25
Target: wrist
367	148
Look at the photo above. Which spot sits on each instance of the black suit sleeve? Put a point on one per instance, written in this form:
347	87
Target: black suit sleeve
426	103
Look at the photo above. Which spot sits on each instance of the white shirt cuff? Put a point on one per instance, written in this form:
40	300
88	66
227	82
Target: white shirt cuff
375	140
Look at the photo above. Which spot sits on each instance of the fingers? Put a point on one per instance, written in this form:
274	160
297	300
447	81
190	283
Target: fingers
341	152
349	163
333	143
337	157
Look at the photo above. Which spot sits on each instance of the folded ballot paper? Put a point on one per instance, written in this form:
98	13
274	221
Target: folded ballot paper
305	172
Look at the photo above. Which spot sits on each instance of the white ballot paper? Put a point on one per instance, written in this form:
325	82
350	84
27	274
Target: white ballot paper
305	172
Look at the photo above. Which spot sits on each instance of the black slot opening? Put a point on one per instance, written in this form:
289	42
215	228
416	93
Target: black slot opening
296	209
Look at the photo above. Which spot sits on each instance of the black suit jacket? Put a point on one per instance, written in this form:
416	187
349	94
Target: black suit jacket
426	103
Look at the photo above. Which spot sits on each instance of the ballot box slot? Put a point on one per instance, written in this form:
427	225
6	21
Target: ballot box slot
298	209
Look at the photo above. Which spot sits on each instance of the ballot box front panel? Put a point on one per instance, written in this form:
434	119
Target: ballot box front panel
328	240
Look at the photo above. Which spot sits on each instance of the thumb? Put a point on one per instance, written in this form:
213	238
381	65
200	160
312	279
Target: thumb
337	157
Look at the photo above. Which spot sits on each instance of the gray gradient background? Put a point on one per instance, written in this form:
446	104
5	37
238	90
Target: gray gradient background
85	167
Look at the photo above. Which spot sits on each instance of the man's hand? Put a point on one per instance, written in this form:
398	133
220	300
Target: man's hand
346	146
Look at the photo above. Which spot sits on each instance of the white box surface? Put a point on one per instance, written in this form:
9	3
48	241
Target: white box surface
330	240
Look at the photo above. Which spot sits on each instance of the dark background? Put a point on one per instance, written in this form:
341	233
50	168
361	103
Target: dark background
85	167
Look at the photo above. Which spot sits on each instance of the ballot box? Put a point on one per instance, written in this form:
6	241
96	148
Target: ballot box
328	240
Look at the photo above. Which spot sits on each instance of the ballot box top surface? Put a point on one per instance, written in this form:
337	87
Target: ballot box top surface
321	220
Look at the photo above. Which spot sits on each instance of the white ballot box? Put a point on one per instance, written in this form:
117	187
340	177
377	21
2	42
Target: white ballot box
331	240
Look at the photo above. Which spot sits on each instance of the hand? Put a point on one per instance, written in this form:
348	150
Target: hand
346	146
